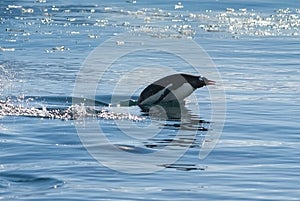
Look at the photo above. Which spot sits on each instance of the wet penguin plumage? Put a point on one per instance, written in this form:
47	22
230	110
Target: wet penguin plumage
171	88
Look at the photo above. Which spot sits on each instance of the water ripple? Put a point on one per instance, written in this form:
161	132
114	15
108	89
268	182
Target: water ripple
23	185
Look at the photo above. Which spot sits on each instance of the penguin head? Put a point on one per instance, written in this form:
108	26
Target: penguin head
206	81
198	81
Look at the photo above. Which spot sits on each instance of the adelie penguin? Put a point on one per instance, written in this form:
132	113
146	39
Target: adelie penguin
170	89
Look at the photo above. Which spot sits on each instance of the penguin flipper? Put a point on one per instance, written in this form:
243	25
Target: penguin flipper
163	95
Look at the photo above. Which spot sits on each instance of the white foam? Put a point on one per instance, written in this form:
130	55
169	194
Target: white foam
73	112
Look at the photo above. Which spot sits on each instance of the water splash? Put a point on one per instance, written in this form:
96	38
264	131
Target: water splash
11	107
6	78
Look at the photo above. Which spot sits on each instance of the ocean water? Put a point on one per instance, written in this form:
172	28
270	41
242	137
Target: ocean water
50	149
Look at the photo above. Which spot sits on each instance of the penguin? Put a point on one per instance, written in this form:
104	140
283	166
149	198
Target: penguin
172	88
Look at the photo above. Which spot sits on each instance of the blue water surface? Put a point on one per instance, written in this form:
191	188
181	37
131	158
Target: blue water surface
255	47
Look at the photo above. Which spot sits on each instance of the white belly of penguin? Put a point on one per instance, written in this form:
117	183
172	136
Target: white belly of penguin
180	93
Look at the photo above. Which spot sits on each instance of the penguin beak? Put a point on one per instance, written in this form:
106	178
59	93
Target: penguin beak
210	82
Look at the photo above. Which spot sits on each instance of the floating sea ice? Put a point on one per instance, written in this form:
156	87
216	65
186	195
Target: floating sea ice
126	24
92	36
107	9
54	8
178	5
131	1
120	42
230	10
14	7
147	19
14	30
28	10
60	48
72	19
4	49
46	20
243	10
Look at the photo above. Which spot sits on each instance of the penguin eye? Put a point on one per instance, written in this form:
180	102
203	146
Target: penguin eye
201	78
